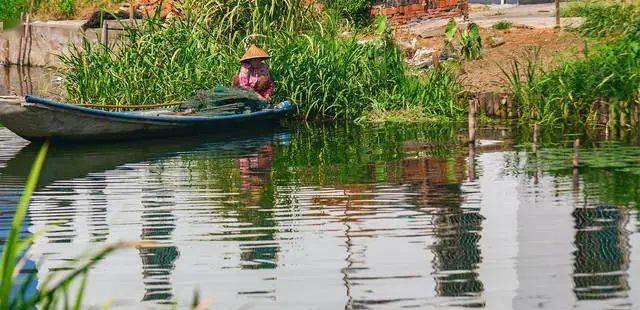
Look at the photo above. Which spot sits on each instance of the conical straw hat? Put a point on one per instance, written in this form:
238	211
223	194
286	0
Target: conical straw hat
254	52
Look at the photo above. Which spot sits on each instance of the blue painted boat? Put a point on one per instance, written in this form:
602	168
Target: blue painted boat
36	118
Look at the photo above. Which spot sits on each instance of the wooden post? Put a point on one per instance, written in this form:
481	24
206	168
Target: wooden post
435	59
105	33
557	13
623	115
471	165
28	41
19	61
576	153
472	121
534	146
131	13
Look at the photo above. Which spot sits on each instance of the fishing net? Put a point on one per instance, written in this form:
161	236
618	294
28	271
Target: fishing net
223	100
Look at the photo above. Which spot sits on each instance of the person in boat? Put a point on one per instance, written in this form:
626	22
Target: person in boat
254	73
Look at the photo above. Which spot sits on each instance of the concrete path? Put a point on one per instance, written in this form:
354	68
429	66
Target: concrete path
539	16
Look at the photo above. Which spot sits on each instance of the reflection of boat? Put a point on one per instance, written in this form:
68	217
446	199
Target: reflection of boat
66	162
36	119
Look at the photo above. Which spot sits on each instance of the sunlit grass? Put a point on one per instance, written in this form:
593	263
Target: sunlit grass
317	61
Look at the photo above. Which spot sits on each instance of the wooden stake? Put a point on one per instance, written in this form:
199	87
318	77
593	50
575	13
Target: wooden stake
576	153
472	121
19	60
534	146
471	166
26	39
623	115
435	59
105	33
557	13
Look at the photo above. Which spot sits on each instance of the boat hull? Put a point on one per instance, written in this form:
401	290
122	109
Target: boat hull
39	119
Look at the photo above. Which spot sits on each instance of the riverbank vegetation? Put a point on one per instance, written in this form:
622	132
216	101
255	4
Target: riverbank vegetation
320	61
604	81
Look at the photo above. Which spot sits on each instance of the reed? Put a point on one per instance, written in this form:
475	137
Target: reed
326	73
608	72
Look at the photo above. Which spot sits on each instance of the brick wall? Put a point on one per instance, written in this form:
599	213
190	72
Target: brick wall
402	11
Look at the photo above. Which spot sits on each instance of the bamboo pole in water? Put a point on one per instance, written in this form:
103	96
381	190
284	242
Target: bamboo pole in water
472	121
576	153
534	146
471	165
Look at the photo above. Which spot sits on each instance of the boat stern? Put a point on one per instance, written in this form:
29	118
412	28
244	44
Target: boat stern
11	105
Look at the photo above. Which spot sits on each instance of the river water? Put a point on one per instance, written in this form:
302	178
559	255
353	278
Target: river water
325	218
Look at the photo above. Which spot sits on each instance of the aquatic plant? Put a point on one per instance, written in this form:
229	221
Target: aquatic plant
327	73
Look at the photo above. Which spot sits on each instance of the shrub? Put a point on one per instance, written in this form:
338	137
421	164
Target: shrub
356	11
502	25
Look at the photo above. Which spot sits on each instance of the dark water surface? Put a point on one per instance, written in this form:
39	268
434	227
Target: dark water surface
321	218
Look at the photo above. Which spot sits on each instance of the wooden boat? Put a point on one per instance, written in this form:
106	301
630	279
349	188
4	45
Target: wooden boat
38	119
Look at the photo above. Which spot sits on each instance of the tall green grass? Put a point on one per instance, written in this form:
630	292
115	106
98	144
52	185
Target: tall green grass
318	62
608	71
10	12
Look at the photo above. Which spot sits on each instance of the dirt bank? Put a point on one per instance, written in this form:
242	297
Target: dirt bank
485	74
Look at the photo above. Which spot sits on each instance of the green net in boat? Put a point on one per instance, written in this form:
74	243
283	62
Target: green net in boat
223	100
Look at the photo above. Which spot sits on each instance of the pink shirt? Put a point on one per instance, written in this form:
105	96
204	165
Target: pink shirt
249	76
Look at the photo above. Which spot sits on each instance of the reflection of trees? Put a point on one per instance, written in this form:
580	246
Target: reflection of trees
98	227
158	223
602	252
456	230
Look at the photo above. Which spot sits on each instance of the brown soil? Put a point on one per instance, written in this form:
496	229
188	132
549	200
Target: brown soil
485	75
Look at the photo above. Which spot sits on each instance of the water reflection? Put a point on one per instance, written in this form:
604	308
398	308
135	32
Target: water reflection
334	218
158	224
602	253
21	81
